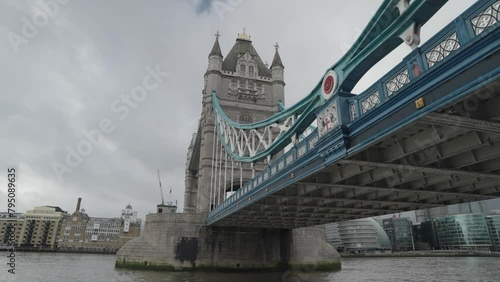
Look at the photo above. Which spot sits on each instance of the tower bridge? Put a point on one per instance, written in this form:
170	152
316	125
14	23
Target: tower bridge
426	134
261	176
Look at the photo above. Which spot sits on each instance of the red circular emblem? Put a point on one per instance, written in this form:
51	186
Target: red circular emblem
328	85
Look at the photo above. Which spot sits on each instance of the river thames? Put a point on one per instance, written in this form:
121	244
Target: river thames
86	267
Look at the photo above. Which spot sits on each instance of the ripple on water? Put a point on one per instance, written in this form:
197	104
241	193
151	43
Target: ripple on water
50	267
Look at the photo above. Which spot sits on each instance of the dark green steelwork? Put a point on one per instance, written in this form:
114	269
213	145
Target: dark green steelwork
380	37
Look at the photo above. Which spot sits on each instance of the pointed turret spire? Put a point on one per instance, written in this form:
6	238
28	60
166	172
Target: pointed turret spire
216	49
277	59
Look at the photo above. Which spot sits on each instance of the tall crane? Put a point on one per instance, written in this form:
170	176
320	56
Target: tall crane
161	190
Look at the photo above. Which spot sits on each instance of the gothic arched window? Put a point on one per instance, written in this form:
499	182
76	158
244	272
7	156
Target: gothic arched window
245	118
243	69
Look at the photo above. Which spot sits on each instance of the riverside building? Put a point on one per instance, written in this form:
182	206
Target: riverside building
82	233
15	224
72	232
41	227
358	236
399	230
463	231
493	222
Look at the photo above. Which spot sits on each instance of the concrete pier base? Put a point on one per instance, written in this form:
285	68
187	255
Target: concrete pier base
311	252
179	242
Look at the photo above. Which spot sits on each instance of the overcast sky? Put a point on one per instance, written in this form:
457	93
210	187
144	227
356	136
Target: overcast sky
67	71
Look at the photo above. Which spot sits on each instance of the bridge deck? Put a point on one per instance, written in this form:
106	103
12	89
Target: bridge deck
437	142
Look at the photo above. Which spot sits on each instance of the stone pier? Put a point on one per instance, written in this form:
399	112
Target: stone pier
178	242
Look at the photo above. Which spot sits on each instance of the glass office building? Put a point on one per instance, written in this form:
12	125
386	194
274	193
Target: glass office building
399	230
333	236
358	236
429	234
493	222
463	231
431	213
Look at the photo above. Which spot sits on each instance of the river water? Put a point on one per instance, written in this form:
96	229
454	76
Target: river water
55	267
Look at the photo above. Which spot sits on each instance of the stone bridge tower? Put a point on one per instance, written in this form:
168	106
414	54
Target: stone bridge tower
249	91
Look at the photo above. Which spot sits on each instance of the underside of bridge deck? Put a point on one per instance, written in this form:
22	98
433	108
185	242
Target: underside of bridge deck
449	156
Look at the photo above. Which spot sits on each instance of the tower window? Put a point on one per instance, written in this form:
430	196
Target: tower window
245	118
251	71
259	89
243	69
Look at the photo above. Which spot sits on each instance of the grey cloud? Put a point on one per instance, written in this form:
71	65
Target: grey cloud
65	79
204	6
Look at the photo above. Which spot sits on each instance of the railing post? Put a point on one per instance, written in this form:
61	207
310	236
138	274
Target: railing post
463	33
382	91
344	108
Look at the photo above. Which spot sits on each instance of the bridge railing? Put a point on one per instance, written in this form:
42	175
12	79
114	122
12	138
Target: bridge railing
437	49
350	108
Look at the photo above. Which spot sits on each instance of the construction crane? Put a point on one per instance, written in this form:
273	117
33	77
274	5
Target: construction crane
161	190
